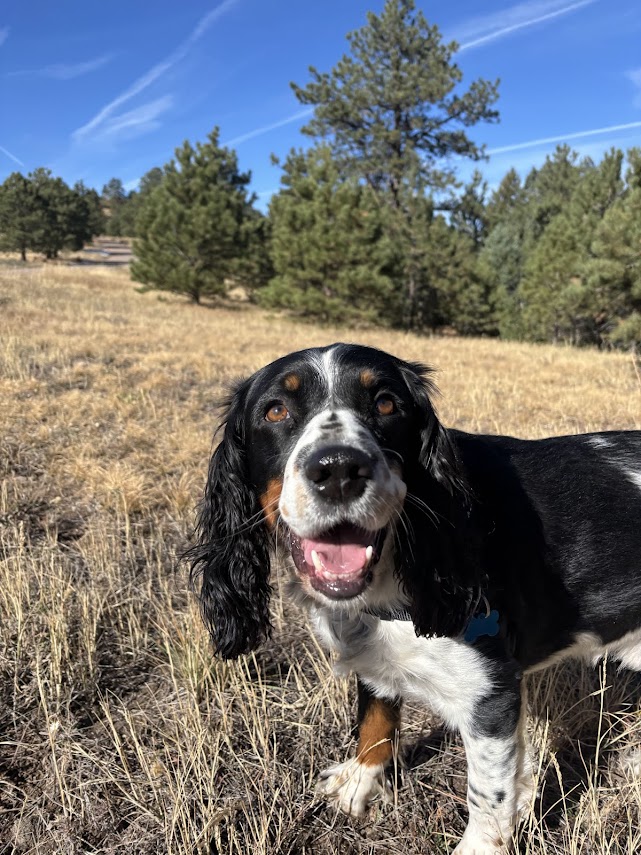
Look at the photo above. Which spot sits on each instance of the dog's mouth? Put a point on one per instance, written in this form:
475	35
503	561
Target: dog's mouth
339	562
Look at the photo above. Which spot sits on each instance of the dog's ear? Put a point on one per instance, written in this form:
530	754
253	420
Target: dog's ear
438	557
231	555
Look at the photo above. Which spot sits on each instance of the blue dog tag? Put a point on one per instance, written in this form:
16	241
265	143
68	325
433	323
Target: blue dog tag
481	625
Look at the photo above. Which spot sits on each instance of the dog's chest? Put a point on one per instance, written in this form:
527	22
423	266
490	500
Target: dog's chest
446	674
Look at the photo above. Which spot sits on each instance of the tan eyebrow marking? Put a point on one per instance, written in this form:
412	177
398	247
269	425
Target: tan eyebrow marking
367	377
292	382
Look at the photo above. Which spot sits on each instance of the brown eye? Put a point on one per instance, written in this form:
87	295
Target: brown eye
385	406
277	413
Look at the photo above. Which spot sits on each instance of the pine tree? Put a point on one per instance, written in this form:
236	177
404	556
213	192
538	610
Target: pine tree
507	200
18	214
62	216
392	112
193	232
329	250
114	197
614	271
549	189
95	218
460	297
561	299
469	211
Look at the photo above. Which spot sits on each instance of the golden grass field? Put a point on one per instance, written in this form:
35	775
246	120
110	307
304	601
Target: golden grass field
119	732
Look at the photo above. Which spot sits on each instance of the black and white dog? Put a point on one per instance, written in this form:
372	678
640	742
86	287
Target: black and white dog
438	565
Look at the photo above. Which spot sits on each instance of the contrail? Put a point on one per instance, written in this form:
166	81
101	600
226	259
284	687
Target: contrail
257	132
505	31
563	138
11	156
156	71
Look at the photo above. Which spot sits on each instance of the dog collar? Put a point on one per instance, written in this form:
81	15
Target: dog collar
479	625
389	614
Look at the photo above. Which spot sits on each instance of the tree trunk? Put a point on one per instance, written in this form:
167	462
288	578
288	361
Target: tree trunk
23	254
411	300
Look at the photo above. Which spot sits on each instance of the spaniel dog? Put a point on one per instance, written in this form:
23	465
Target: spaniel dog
438	565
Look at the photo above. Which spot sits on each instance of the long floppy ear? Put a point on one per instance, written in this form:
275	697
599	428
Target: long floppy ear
438	555
231	556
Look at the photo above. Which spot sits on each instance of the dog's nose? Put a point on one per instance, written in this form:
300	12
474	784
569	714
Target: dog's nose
339	472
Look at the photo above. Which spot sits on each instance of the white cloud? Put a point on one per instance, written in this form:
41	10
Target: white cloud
635	77
12	157
136	122
154	73
4	35
63	70
257	132
563	138
489	28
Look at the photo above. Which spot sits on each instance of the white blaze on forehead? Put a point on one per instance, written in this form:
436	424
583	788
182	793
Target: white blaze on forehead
599	442
635	477
326	365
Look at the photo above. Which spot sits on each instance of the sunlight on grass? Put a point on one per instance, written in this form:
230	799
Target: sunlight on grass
121	733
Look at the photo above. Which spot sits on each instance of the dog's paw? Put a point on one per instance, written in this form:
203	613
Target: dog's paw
354	786
477	842
629	763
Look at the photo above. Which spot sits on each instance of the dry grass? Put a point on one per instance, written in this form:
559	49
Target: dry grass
120	734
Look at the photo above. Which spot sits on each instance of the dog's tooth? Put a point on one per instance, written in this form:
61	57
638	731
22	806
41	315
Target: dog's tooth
369	552
318	564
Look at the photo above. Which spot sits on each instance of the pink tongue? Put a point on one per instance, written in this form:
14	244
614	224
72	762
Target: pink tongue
336	556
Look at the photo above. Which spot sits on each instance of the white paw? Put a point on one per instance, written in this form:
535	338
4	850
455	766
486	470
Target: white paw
630	763
476	842
354	786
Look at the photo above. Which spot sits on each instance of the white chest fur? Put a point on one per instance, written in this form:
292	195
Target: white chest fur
445	674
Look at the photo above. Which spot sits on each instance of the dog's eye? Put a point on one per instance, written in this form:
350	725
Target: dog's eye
385	406
277	413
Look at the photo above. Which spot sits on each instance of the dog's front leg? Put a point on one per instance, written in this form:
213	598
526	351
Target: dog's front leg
356	783
499	773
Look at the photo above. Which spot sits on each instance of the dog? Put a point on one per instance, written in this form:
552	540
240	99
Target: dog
438	565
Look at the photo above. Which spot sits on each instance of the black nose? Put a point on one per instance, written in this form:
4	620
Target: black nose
339	472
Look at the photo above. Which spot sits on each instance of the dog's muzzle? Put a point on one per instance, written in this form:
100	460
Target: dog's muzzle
338	562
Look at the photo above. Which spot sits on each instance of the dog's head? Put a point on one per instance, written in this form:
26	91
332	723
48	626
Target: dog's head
335	457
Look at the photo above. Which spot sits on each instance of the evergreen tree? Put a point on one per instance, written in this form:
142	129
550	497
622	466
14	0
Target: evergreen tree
150	180
256	268
460	297
18	214
40	212
469	211
329	249
114	197
392	112
95	218
62	215
549	189
507	200
193	231
500	266
614	271
560	300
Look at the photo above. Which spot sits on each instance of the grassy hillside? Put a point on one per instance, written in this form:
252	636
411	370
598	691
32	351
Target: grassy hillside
119	732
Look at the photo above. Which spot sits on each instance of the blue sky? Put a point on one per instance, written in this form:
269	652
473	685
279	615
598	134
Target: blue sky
96	90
